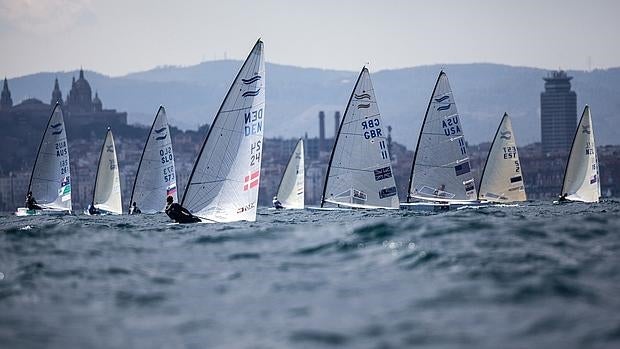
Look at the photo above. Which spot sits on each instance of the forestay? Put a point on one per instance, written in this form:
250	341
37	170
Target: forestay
441	170
156	176
50	181
359	173
291	188
223	185
107	193
581	179
502	178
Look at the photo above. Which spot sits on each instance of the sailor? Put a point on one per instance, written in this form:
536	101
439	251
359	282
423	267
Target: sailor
178	213
31	203
276	203
440	191
563	198
92	210
133	209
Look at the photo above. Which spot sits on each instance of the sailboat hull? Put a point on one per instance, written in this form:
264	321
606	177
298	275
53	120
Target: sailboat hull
24	212
440	206
102	213
313	208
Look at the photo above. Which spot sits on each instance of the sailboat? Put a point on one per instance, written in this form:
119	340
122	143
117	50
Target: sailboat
291	188
107	191
359	173
223	185
581	178
156	175
50	181
502	177
441	173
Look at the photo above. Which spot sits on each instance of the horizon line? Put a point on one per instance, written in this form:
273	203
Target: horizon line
181	66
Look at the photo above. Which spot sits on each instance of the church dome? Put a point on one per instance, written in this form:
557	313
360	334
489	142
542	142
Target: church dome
79	98
31	101
82	86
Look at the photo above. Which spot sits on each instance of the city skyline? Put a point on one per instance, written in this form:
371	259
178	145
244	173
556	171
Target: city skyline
117	38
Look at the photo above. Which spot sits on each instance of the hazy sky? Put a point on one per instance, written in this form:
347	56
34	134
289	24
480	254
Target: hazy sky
116	37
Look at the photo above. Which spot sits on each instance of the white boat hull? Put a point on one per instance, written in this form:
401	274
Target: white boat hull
440	206
101	213
311	208
24	212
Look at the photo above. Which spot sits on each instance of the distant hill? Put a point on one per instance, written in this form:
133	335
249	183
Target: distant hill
483	92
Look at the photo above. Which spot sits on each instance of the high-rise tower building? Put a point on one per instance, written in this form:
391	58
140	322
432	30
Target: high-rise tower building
558	113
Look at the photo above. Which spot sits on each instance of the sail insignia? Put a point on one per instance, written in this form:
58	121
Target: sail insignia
441	170
50	181
291	188
360	173
502	176
107	191
223	185
156	176
581	177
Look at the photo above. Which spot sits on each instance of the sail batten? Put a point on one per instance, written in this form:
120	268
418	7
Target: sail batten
502	178
581	177
223	185
441	170
107	191
50	181
156	175
360	173
291	189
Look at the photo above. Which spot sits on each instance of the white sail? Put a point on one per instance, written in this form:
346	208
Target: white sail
291	188
441	170
107	194
50	181
156	176
581	179
223	186
502	178
359	173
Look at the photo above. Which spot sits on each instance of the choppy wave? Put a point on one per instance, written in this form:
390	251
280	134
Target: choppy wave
530	276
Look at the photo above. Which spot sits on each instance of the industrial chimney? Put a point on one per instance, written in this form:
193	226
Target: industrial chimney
336	123
321	130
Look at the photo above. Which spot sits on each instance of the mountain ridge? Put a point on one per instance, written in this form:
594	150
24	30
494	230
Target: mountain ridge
482	91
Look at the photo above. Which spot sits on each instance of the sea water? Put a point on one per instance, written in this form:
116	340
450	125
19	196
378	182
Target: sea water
533	276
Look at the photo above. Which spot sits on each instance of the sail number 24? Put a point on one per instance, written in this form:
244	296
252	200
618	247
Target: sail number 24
255	151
